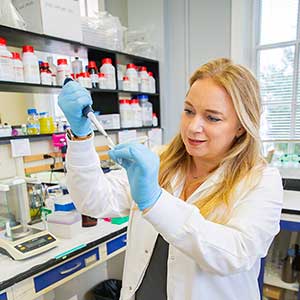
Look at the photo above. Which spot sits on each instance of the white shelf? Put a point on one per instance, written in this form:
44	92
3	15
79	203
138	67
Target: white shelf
274	280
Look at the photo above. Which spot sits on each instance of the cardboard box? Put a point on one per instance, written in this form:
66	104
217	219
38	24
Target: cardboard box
52	17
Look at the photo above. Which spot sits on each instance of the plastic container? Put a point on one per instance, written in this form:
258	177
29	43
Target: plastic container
136	112
102	81
46	123
77	66
93	71
31	65
144	80
87	80
33	125
152	84
46	75
132	75
147	110
126	84
6	62
110	74
125	113
63	71
18	67
120	76
53	70
154	120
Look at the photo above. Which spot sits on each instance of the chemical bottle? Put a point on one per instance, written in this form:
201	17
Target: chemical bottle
102	81
147	110
119	76
18	67
132	75
144	80
125	113
126	84
31	65
136	113
154	120
46	123
63	71
46	75
110	74
33	125
77	66
6	62
152	85
53	70
87	80
80	79
93	71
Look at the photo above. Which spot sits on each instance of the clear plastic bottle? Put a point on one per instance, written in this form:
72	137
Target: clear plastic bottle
119	76
6	62
136	113
132	74
154	120
110	73
18	67
144	79
125	113
31	65
147	110
152	84
77	66
46	75
93	71
63	71
33	125
53	70
126	84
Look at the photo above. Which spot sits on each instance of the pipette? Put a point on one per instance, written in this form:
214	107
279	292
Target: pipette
89	113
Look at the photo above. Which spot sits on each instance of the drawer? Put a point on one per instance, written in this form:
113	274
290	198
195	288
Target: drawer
66	269
116	244
3	296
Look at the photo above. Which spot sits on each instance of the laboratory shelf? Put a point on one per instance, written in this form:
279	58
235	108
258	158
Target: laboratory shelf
275	280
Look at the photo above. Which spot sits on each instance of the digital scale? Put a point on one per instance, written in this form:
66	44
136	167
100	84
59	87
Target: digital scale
17	239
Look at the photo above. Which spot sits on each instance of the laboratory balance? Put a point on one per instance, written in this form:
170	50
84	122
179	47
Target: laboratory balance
17	239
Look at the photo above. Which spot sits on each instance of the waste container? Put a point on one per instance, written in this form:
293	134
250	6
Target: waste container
108	290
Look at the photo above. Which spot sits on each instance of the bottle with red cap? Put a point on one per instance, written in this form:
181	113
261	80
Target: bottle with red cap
31	65
18	67
102	81
144	79
110	73
152	85
132	74
63	70
6	62
46	75
92	69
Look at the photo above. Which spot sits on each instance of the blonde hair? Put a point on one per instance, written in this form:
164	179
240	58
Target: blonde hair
243	161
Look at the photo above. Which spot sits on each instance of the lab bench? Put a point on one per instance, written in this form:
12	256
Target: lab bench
36	276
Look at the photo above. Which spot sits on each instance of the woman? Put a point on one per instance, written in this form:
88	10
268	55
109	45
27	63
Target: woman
201	218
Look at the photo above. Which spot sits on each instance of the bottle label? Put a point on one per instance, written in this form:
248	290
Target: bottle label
6	68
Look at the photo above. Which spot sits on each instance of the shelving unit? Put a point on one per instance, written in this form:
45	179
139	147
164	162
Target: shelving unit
105	101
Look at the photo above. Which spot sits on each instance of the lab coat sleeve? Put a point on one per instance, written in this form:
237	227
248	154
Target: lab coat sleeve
94	193
223	249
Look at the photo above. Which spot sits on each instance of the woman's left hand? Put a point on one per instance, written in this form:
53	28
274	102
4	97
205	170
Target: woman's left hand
142	167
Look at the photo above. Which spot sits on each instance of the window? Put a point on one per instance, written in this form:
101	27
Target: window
277	58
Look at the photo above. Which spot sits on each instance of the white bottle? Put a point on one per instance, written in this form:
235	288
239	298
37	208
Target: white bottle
147	110
125	113
31	65
154	120
18	67
63	71
126	84
87	80
53	70
80	79
6	62
110	74
132	75
119	76
152	85
76	66
46	76
144	80
136	113
102	81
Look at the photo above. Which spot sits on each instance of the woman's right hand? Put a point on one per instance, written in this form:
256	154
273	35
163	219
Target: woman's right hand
72	100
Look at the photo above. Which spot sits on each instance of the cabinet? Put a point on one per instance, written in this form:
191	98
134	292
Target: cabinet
105	101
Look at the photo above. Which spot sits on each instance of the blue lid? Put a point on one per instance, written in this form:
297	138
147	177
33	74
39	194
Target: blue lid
31	111
43	113
143	97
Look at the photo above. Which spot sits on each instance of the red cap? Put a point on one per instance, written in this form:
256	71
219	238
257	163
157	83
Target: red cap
150	74
125	78
124	101
79	75
92	64
101	75
73	75
15	55
143	69
45	64
153	114
2	41
85	74
62	61
27	48
134	101
106	61
130	66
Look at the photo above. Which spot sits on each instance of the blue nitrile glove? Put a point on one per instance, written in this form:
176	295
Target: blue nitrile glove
72	99
142	166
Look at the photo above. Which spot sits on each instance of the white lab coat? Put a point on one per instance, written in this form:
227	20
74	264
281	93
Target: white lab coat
206	260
